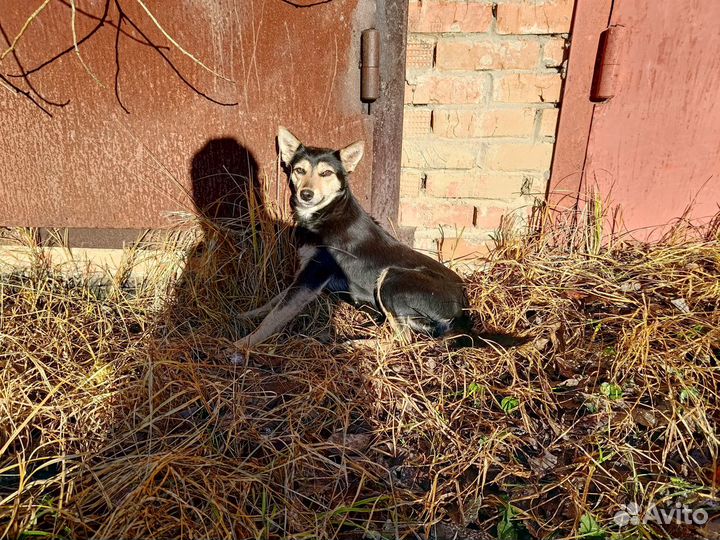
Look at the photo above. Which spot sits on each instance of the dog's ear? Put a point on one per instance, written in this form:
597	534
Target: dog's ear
288	144
351	155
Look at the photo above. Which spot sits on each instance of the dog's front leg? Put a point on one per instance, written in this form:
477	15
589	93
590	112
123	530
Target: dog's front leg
264	309
286	310
307	286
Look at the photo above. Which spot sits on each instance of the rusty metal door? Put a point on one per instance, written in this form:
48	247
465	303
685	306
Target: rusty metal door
116	113
653	142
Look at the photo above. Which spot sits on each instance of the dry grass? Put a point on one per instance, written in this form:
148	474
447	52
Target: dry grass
120	419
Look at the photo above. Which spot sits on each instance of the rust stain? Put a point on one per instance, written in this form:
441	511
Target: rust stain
121	155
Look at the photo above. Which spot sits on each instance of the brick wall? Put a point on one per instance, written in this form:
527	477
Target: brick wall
481	97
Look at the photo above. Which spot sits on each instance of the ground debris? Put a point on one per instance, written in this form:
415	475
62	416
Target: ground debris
119	416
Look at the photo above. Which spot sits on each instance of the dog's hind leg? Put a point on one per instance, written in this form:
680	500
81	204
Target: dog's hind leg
420	299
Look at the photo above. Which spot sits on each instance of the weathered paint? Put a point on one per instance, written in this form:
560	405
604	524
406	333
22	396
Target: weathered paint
391	21
589	20
653	150
159	133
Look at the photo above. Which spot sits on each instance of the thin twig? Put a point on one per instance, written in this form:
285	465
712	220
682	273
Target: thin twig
177	45
77	49
27	24
17	90
307	5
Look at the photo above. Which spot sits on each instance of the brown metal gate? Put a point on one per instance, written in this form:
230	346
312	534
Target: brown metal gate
134	127
647	135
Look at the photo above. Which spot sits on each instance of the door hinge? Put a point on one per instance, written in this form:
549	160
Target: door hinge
606	76
369	65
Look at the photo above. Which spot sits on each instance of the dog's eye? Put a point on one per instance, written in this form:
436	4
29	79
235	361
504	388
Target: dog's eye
326	173
299	170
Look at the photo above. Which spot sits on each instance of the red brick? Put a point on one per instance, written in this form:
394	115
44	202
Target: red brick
463	248
419	54
535	17
519	157
450	89
473	184
440	16
416	121
508	122
463	123
439	154
548	122
457	123
410	183
554	52
479	55
429	212
488	217
528	88
409	91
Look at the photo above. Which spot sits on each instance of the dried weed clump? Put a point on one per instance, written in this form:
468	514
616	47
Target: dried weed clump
120	418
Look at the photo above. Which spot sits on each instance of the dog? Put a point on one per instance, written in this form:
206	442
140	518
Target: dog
344	251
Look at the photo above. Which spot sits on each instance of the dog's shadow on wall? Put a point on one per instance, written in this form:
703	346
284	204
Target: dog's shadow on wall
224	176
223	272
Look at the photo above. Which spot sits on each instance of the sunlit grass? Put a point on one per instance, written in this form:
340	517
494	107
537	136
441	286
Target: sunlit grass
120	418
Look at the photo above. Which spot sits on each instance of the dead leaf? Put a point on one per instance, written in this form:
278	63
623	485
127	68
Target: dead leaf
352	441
540	465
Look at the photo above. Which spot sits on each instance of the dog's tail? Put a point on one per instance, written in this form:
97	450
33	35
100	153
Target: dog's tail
464	335
485	340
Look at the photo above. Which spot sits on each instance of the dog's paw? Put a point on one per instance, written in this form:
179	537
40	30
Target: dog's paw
237	353
237	357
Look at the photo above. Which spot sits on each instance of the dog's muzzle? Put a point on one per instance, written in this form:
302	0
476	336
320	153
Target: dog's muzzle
306	195
308	198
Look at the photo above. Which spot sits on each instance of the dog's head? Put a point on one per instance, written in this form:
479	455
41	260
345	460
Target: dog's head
318	175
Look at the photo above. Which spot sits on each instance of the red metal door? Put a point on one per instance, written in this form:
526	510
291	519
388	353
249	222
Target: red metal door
134	127
654	146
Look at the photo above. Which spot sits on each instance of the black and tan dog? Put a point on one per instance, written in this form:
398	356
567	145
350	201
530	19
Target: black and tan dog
344	251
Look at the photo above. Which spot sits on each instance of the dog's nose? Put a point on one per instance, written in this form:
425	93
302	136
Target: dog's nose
306	194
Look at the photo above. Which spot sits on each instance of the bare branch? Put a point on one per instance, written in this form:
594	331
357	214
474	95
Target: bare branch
177	45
